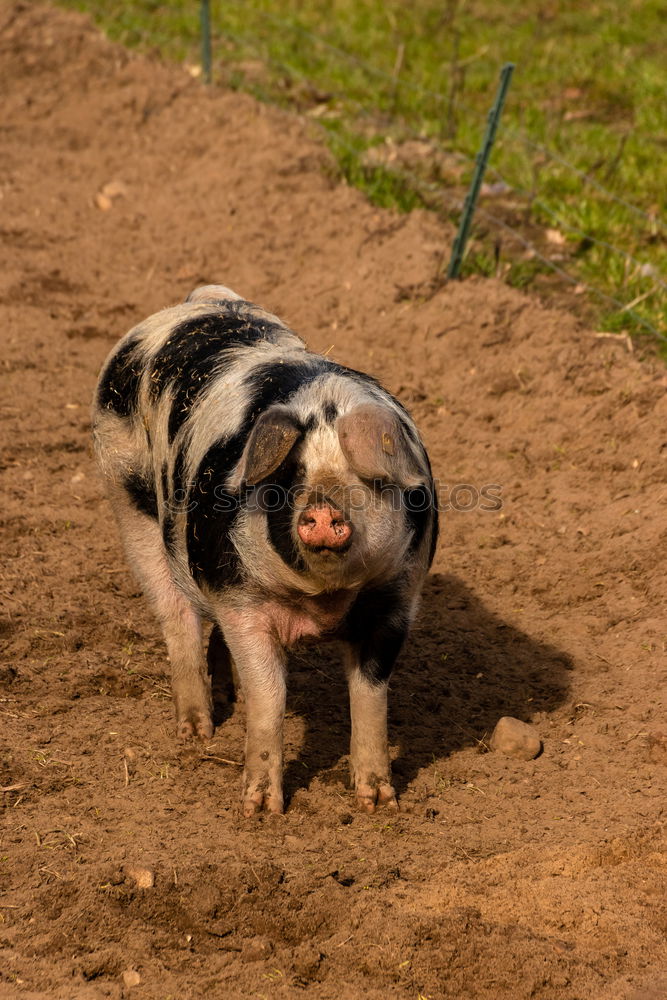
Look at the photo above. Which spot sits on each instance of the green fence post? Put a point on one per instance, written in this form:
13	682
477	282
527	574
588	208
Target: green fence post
205	20
481	161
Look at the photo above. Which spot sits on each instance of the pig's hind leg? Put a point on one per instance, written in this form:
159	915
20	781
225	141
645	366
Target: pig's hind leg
181	624
225	683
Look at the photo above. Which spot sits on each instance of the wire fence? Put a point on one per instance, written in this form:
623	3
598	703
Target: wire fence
402	83
367	123
455	206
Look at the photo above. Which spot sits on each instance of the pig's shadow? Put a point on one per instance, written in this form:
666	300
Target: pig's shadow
462	668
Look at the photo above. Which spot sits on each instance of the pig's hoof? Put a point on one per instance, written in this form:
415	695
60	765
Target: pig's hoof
369	797
259	801
195	724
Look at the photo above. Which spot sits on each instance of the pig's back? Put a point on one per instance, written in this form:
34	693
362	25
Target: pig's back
181	349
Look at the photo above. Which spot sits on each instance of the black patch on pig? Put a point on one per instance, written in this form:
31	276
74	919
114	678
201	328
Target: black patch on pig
408	429
211	554
280	513
119	385
418	506
272	382
434	535
141	490
280	532
179	485
164	481
421	502
330	411
197	350
168	537
435	524
377	626
289	377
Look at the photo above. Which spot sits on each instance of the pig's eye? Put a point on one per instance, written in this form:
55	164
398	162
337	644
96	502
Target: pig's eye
418	499
377	484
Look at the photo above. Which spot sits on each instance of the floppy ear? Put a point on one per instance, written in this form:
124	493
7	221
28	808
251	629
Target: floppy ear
273	437
375	445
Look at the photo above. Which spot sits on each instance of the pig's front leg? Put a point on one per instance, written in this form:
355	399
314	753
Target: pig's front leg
369	751
375	642
260	662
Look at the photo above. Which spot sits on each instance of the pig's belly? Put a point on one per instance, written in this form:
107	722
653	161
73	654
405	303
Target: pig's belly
311	618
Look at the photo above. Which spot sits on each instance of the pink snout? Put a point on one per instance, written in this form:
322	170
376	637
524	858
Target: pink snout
321	526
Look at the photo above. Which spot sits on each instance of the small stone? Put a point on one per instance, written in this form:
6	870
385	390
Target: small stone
144	877
131	978
256	949
103	202
515	739
114	189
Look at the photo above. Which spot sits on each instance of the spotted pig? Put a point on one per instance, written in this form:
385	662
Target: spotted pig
276	494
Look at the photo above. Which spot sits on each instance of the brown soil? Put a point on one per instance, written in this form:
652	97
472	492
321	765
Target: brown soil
499	878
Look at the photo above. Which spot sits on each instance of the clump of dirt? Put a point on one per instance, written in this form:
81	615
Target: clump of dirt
124	184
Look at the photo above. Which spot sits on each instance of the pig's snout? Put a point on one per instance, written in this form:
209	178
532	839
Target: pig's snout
322	526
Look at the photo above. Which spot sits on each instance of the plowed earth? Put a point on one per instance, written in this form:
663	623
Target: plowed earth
499	878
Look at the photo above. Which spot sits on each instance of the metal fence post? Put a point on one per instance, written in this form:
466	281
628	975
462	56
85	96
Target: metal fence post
481	161
205	20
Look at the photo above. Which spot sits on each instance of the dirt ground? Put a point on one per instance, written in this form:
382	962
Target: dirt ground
499	878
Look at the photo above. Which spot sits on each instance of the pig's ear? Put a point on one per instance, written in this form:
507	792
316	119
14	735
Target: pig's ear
273	437
376	446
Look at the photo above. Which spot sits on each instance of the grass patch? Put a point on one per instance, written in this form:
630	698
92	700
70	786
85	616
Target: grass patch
401	91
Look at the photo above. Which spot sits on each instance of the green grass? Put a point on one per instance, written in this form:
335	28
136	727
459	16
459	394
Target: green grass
590	88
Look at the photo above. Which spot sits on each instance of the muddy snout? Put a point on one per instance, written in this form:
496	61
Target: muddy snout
322	526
